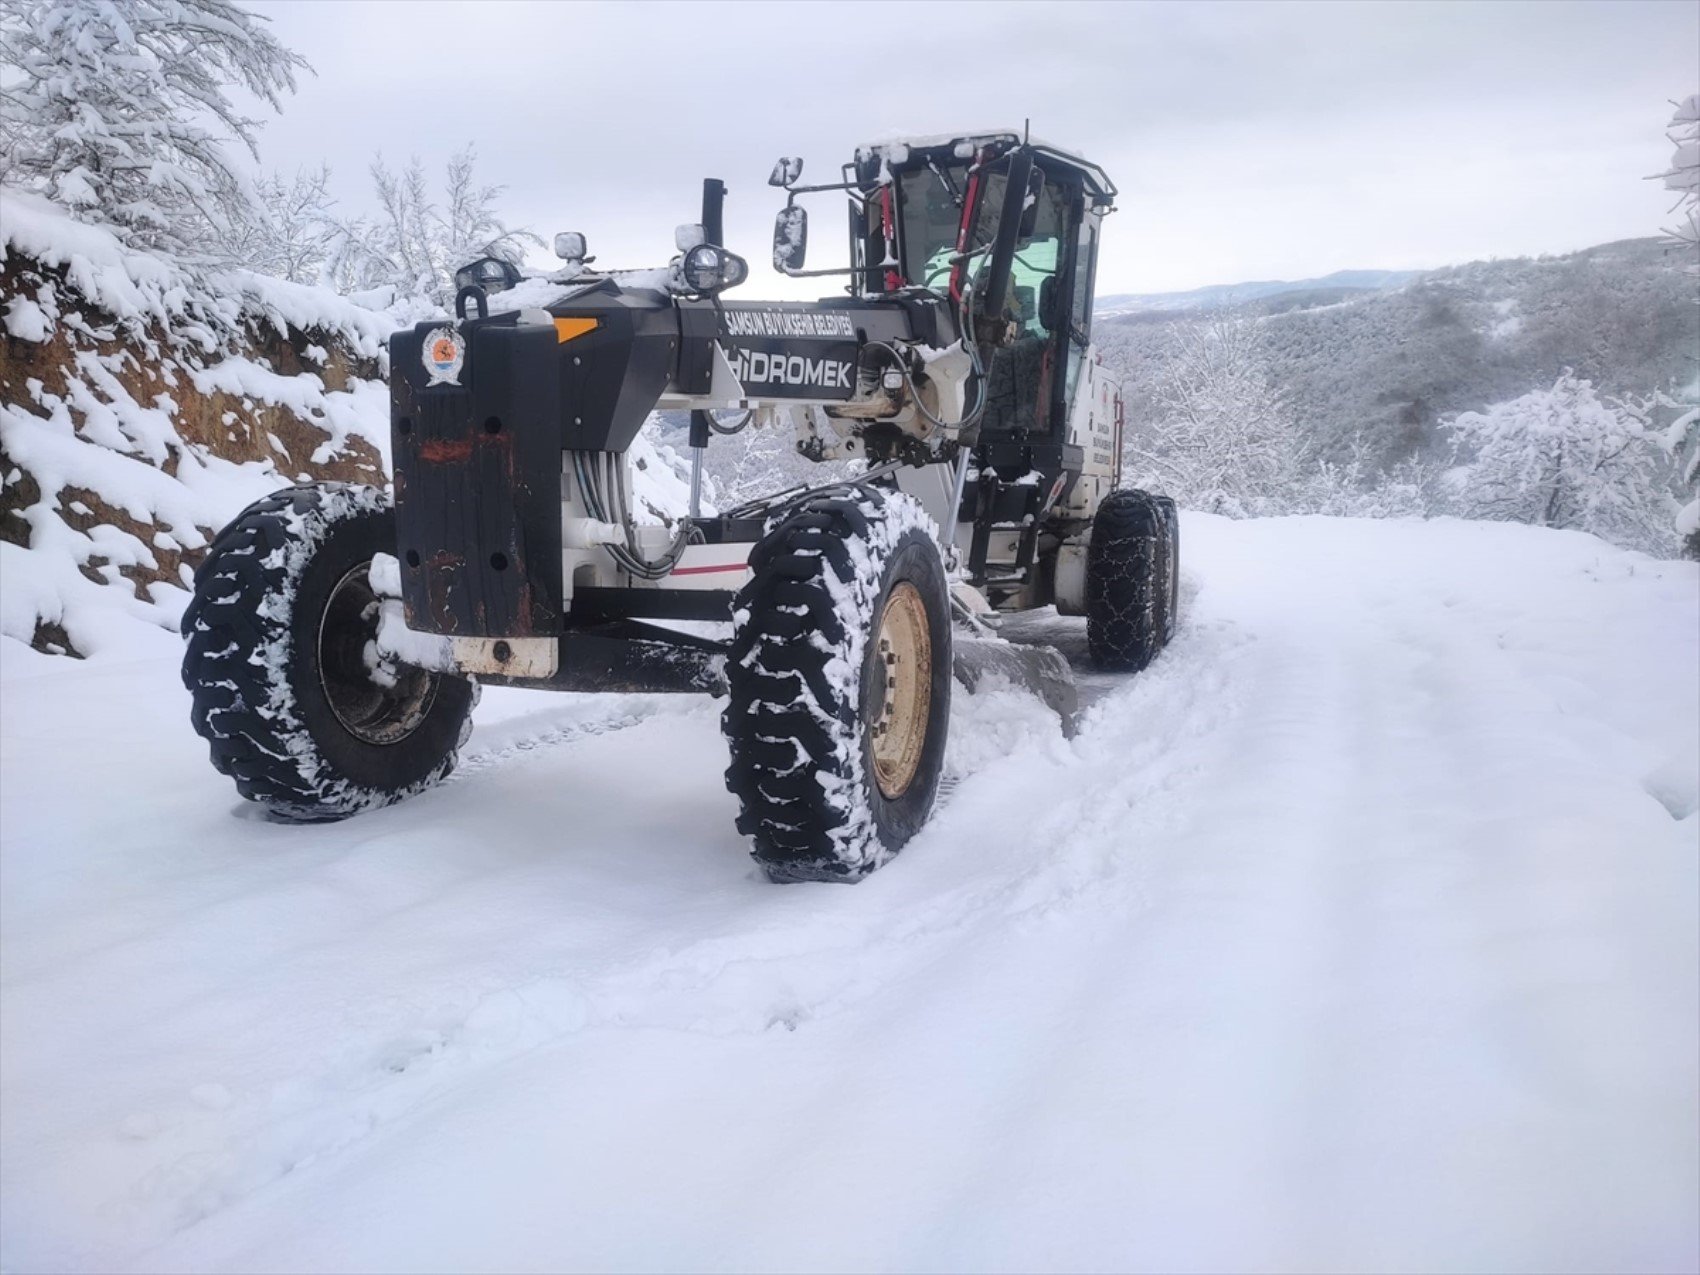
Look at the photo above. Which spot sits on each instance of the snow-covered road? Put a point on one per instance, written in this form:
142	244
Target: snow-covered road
1361	931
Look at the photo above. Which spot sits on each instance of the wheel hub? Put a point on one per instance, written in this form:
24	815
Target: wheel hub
377	702
904	658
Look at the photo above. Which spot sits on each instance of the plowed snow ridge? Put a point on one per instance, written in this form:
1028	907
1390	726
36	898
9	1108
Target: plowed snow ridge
1361	931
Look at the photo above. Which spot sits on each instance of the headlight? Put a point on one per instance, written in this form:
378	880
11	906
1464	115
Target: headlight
709	268
489	273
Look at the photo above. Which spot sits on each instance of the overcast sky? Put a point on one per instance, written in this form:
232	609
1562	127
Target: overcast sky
1250	141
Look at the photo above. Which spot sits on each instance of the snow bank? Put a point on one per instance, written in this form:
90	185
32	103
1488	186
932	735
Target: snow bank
142	405
127	285
142	291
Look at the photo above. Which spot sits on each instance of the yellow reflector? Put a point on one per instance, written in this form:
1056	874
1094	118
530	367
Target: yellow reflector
567	329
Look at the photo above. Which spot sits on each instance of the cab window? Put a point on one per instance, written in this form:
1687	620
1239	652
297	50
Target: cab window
931	204
1080	306
1033	273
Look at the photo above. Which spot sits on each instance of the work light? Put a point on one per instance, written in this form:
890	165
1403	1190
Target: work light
709	268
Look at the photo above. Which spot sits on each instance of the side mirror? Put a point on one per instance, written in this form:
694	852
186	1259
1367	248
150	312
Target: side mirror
1030	209
790	239
570	246
787	170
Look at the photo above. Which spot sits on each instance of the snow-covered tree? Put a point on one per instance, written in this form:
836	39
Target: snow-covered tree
1680	437
756	461
1562	457
121	110
1222	435
286	231
415	244
1683	177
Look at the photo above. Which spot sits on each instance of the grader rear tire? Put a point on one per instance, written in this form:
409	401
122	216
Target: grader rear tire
1129	582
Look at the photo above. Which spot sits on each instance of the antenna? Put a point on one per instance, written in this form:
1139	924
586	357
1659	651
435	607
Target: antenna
1026	128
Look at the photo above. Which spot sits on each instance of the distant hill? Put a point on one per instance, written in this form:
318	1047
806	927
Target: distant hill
1388	362
1343	283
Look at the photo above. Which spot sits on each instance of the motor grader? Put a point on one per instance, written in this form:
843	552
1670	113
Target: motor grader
338	634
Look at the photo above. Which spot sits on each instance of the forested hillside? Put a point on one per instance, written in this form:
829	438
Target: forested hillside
1339	285
1553	390
1386	367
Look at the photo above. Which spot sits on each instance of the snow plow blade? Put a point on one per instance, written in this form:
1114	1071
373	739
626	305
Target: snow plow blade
1040	669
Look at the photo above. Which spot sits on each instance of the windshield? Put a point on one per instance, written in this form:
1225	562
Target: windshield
930	202
930	205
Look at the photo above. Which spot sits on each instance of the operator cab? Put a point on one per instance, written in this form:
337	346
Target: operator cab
937	219
930	217
988	243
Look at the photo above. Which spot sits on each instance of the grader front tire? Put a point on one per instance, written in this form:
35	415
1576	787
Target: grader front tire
840	681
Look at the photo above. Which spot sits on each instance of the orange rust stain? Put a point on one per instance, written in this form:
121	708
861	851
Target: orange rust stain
444	451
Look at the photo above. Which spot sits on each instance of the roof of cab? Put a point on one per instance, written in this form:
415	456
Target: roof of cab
1095	176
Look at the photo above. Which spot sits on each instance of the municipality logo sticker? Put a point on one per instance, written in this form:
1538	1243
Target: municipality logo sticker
443	356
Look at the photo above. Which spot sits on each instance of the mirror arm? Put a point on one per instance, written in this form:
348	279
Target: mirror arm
816	274
850	189
815	190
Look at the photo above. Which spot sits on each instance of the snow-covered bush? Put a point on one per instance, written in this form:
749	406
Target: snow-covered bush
121	110
1221	436
755	462
1681	441
1562	457
1357	488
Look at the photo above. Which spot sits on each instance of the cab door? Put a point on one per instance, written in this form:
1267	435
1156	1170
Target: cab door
1092	395
1025	391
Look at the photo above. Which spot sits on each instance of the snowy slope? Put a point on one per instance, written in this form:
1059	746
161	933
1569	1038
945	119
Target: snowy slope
1359	932
143	405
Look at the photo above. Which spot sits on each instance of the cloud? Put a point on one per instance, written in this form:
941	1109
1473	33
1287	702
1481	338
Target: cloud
1250	140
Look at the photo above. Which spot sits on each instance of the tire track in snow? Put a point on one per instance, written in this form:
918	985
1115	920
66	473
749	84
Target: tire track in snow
1264	957
509	739
789	957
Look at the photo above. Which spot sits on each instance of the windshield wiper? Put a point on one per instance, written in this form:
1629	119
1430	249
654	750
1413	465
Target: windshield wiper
955	197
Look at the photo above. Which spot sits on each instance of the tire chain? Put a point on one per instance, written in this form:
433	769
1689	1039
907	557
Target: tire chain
1126	585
